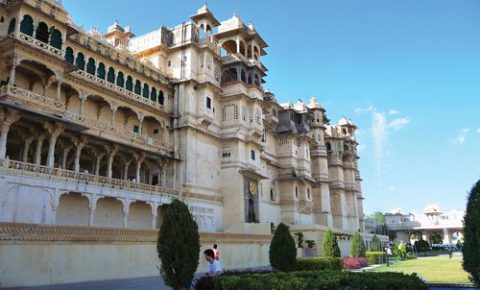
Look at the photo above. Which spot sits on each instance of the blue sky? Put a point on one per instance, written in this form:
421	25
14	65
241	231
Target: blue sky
406	72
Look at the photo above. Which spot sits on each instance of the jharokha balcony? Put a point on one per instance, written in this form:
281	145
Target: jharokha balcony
56	108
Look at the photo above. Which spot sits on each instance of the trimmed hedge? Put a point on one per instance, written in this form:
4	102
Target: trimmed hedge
319	263
312	280
376	257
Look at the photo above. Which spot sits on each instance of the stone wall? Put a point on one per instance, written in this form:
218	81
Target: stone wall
41	255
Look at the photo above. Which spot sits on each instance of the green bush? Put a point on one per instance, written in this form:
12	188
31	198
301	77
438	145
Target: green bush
471	244
178	246
313	280
375	244
319	263
357	246
375	257
330	245
283	253
422	246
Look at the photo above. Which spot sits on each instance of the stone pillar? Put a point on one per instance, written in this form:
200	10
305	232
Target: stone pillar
54	130
38	149
91	208
139	158
26	148
114	111
15	62
125	170
66	150
446	236
112	151
8	117
97	163
83	97
126	211
79	144
59	90
153	206
238	45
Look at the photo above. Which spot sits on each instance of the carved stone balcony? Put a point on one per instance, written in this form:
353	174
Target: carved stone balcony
34	170
126	93
42	45
27	97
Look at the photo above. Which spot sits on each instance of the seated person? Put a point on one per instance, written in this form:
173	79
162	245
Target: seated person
214	267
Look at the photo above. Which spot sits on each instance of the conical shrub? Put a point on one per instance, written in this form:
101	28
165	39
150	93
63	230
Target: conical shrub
471	246
330	245
283	254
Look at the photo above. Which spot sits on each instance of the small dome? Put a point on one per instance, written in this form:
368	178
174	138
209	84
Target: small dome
345	122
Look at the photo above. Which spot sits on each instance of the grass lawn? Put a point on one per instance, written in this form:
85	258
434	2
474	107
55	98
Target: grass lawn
433	269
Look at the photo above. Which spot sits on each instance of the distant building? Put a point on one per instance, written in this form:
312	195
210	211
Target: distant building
424	224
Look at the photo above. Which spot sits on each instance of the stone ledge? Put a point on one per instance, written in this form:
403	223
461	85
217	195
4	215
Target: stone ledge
20	232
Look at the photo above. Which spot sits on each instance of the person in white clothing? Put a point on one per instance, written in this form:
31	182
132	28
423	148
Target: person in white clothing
214	266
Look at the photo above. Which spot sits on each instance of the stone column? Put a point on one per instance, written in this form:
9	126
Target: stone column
139	158
15	61
66	150
153	206
26	148
91	208
59	89
38	149
83	97
54	130
7	118
112	151
79	144
126	211
125	171
97	163
114	111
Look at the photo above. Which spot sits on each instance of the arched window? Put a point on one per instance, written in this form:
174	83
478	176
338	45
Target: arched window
26	26
42	32
11	26
309	197
80	62
329	146
257	80
56	39
69	57
161	98
111	75
101	71
91	66
138	87
272	195
153	95
120	79
146	91
296	191
243	77
129	84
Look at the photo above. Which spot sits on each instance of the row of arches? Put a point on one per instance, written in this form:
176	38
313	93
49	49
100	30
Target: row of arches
234	74
240	47
41	32
99	70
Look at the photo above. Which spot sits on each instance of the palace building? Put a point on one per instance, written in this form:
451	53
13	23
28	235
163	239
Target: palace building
101	130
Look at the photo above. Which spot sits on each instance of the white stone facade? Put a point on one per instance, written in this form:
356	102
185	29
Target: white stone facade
105	129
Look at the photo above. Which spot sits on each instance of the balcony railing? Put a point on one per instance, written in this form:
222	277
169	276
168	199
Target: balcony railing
91	78
29	96
34	170
44	46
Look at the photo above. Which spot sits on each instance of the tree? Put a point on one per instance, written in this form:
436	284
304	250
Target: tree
330	245
471	245
378	217
357	246
436	238
283	254
178	246
375	244
422	246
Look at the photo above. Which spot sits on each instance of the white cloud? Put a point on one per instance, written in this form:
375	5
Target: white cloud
393	112
398	123
461	136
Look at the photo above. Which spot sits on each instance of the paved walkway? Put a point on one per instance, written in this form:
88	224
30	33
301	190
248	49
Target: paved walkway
147	283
